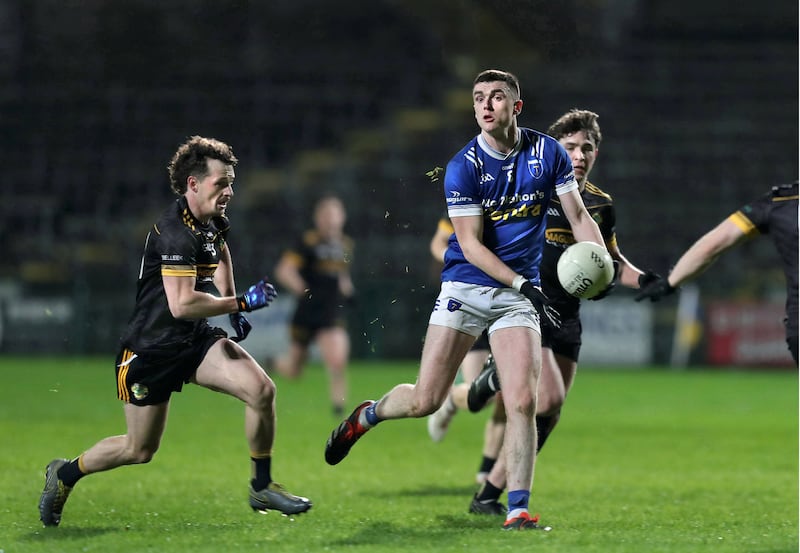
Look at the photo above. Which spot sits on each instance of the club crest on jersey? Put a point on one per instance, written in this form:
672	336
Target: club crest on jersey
535	168
453	305
209	247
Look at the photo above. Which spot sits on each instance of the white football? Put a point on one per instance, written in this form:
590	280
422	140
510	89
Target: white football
585	269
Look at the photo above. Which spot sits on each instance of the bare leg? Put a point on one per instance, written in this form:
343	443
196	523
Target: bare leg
517	351
443	352
290	364
334	347
145	426
230	369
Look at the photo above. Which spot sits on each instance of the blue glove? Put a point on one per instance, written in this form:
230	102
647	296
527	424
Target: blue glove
257	296
241	325
547	313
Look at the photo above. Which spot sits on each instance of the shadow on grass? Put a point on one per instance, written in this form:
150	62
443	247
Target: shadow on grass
426	491
444	530
46	535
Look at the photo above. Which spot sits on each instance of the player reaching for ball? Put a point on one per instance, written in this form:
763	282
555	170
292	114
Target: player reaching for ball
497	189
186	275
579	133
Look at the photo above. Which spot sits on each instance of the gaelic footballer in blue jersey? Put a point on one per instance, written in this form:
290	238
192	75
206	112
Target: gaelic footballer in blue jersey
497	188
579	133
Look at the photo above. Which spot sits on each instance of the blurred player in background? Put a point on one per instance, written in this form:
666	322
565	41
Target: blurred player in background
478	355
579	133
317	272
186	275
774	213
497	189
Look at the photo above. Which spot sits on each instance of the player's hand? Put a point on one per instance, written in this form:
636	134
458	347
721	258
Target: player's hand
653	286
257	296
241	325
610	288
547	313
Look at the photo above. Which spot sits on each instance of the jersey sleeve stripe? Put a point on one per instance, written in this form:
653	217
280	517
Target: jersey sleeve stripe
464	210
745	225
178	272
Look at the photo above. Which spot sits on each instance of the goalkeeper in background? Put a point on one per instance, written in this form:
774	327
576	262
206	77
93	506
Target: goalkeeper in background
186	275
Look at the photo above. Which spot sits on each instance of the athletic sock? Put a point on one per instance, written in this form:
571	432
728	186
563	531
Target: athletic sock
486	464
517	503
71	472
368	417
489	492
262	471
544	426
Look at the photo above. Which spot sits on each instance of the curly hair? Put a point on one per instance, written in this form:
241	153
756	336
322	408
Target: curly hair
191	159
577	120
492	75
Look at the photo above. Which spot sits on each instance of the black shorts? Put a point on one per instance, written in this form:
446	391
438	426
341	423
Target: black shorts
482	342
566	340
308	320
150	379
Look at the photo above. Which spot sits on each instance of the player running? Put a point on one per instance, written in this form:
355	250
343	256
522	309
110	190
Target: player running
497	189
168	341
579	133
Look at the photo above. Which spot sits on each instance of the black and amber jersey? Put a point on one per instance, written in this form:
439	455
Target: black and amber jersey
177	245
320	263
775	214
558	236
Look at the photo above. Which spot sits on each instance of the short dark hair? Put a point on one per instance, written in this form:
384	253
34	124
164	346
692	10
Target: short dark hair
491	75
192	159
577	120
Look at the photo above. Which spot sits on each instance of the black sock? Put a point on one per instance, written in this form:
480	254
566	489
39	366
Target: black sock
262	468
488	492
486	464
70	473
544	426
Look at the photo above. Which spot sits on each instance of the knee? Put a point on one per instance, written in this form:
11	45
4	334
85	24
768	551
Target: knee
425	404
142	455
524	405
550	403
264	396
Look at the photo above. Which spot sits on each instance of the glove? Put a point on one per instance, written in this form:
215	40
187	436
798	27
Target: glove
610	288
257	296
547	314
653	286
241	325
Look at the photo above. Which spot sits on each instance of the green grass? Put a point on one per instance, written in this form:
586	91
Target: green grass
643	462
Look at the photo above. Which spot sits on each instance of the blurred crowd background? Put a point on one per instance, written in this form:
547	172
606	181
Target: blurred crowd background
698	104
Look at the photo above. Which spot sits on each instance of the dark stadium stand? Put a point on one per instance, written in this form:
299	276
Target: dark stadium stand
698	104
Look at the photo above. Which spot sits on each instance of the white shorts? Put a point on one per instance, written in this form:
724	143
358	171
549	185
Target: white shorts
471	308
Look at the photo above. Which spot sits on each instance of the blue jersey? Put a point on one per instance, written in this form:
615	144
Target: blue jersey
511	193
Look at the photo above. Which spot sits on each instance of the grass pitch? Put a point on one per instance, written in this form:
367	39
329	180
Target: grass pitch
643	461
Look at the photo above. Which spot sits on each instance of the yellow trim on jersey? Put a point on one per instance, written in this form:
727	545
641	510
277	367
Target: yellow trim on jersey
446	226
745	225
593	189
784	198
172	270
293	258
